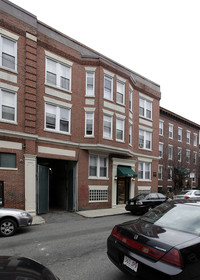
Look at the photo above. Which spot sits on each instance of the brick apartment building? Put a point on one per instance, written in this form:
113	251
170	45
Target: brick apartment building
178	151
77	130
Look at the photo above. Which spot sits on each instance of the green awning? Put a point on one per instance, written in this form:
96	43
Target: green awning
181	171
124	171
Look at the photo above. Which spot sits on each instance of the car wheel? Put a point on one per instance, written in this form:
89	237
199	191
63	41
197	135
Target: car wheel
8	227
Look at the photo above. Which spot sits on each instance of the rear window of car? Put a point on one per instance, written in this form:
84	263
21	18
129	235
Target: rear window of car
184	217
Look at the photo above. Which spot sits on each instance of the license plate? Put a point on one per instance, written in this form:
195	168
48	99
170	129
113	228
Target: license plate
130	263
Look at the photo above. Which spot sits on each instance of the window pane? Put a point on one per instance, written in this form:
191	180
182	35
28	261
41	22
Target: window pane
64	120
51	78
90	84
8	53
93	166
64	83
107	87
50	116
8	105
8	61
103	167
8	113
107	129
8	160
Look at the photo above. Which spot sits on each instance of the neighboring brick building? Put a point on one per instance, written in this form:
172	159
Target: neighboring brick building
178	151
75	126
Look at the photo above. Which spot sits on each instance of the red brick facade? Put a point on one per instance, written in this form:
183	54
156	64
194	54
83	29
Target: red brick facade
82	167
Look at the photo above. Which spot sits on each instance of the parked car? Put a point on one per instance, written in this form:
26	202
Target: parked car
144	202
187	194
162	244
23	268
12	219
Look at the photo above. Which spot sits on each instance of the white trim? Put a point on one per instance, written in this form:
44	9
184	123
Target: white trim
121	79
145	97
114	107
90	69
58	58
57	102
107	73
9	34
57	93
31	37
145	128
8	77
9	87
10	145
55	151
88	109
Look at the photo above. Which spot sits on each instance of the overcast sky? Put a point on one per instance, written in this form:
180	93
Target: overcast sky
158	39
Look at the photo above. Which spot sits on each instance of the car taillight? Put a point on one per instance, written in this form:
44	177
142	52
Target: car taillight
186	197
139	202
172	257
138	246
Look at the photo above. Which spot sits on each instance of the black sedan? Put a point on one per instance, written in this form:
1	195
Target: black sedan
14	268
144	202
162	244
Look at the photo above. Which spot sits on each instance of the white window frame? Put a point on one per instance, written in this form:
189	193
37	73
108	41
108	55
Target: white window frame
98	166
171	131
89	117
14	54
143	138
130	99
120	128
144	174
3	103
120	92
179	154
58	73
90	92
57	118
188	156
105	136
161	150
160	172
170	152
144	108
169	173
180	134
195	140
130	136
161	127
188	136
108	94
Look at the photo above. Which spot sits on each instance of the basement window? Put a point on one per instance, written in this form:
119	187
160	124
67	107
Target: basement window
98	193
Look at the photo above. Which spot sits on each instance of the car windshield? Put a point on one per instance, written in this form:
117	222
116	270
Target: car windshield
184	217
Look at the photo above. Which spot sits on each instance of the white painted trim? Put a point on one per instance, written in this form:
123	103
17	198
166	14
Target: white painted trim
56	93
8	77
31	37
9	87
10	145
57	102
55	151
9	34
58	58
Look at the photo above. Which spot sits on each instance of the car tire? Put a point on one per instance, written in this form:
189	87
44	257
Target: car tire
8	227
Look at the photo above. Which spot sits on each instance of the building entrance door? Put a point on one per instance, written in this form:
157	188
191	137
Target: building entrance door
123	185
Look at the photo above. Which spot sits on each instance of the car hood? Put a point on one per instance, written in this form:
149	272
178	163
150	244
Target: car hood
23	268
12	210
156	236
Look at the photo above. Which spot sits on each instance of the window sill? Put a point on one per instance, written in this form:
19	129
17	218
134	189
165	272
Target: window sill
7	121
9	168
98	178
87	136
57	132
8	69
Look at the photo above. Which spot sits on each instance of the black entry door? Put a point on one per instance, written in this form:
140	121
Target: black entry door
123	184
43	189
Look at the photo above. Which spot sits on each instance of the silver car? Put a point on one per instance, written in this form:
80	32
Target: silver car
12	219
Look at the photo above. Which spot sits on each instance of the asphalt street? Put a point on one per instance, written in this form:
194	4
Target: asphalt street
72	246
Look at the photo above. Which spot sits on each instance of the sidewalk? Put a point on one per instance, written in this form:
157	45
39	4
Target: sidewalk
38	220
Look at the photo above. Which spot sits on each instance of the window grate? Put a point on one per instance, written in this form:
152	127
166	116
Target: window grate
98	195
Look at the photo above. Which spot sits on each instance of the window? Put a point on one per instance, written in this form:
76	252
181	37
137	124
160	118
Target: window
161	150
89	124
170	152
130	134
195	157
180	133
169	173
90	79
145	139
160	172
179	154
188	137
171	131
1	193
120	92
161	125
57	118
7	160
98	166
108	87
119	130
98	193
130	99
107	126
8	53
8	106
144	170
188	156
145	108
58	74
195	140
